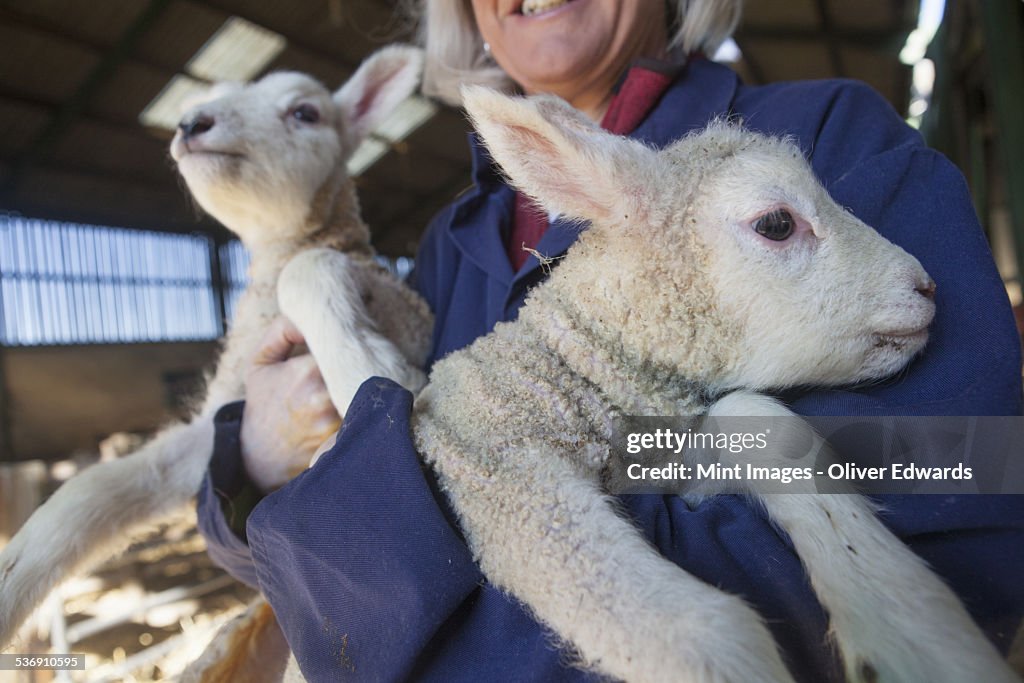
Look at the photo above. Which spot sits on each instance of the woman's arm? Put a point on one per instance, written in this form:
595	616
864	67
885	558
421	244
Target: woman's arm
260	444
226	497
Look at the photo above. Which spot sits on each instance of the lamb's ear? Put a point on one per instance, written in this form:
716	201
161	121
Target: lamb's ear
553	153
381	83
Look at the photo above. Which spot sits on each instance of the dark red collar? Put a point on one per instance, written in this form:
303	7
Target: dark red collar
636	94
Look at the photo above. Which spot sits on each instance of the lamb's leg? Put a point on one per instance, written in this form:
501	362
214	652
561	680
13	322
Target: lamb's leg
96	514
892	619
554	541
248	648
292	672
321	292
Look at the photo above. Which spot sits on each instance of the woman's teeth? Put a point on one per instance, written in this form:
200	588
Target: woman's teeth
531	7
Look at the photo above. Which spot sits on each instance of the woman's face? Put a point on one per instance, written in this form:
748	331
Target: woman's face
569	47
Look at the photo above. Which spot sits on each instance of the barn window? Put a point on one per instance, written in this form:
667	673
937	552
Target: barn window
234	262
65	283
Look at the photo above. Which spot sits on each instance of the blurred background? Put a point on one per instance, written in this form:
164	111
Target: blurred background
114	288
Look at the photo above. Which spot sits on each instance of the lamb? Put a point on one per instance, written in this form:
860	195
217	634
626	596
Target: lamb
703	261
267	160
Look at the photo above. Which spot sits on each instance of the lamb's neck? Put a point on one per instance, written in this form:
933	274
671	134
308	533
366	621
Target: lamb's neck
631	386
267	259
333	223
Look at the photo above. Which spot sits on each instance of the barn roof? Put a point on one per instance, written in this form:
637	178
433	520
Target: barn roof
75	76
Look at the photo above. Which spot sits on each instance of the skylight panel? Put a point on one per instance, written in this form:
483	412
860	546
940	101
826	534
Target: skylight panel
166	108
238	51
407	117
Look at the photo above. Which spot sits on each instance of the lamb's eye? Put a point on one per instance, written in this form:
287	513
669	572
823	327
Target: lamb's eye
306	113
777	225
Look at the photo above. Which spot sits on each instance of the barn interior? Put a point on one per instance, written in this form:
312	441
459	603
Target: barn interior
115	288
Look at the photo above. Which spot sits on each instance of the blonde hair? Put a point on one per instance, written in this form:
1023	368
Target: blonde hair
455	51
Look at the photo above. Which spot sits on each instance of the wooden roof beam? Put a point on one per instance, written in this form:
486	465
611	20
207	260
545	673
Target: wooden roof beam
21	19
65	116
130	126
296	41
831	44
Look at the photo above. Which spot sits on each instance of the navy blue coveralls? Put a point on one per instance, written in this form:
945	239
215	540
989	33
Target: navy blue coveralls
363	565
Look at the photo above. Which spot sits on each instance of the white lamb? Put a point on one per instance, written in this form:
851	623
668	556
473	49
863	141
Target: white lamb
714	268
268	161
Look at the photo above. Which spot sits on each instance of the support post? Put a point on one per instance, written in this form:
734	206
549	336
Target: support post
217	284
1003	24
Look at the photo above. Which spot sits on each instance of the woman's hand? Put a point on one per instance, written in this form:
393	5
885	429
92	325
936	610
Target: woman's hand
288	412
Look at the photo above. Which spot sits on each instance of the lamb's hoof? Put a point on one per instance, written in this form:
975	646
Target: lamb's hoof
938	661
866	673
7	569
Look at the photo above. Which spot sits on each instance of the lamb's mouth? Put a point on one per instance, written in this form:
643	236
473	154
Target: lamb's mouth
210	164
899	341
182	149
532	8
212	153
212	159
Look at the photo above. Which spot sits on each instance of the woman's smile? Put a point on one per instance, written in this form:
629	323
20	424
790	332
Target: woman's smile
537	8
576	49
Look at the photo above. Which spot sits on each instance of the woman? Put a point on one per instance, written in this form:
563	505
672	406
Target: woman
360	558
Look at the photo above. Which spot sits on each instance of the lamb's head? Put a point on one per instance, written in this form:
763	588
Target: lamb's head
720	258
268	158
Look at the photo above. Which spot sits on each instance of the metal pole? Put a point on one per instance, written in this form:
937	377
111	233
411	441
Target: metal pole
1003	23
6	441
217	284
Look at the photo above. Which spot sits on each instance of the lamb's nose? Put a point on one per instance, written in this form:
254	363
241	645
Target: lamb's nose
926	288
196	126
